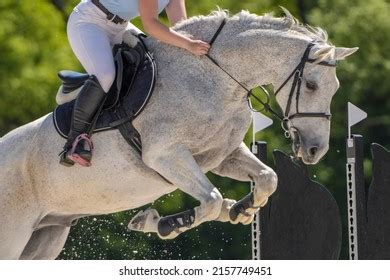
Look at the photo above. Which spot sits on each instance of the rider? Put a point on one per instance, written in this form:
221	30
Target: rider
93	28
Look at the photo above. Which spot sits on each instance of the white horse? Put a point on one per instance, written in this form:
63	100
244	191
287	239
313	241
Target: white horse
195	123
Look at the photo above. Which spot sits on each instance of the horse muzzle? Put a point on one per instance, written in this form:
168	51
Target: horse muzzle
310	152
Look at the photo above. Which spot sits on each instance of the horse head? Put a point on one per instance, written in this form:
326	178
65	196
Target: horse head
306	100
298	60
305	95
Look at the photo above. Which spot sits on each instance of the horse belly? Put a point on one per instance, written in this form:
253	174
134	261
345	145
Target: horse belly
101	191
117	180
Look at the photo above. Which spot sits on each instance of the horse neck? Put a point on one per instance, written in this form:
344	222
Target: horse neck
259	57
253	56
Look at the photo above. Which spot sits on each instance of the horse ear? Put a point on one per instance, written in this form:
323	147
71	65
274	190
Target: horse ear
323	53
342	53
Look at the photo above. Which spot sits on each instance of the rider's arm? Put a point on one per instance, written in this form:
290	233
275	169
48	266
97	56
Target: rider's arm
176	11
148	10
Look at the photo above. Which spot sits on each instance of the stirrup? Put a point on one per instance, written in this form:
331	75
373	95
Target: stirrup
70	157
64	160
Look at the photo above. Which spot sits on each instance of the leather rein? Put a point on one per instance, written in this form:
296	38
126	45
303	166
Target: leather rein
296	74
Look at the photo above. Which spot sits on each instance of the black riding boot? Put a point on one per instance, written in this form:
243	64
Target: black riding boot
86	108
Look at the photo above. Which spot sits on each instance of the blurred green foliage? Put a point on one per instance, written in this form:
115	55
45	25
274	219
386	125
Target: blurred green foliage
34	47
364	82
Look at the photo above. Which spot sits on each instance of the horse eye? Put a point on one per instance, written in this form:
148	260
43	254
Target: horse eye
311	86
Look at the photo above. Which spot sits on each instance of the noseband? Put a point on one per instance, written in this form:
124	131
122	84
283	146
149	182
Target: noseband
297	73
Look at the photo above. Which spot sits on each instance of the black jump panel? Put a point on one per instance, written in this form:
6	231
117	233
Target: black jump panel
376	245
302	219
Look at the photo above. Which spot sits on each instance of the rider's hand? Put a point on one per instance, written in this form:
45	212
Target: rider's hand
198	47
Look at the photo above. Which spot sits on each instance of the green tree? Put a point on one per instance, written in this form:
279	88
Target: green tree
34	47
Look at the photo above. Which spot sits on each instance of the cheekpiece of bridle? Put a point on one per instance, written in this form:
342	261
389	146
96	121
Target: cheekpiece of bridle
296	74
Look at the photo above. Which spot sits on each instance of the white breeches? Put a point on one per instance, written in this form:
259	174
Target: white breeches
92	37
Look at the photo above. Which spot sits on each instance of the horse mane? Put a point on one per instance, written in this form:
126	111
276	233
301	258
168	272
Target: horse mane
252	21
288	22
268	21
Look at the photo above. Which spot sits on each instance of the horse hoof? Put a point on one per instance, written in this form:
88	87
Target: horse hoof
225	209
172	235
264	203
145	221
247	220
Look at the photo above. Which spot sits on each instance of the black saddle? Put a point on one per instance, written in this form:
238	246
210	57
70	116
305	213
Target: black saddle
128	96
72	80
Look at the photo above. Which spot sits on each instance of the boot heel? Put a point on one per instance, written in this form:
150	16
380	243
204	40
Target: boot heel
86	110
65	161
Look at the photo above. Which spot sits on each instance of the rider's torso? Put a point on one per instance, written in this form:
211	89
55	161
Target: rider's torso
128	9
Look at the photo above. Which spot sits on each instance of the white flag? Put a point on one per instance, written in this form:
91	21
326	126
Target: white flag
355	114
260	122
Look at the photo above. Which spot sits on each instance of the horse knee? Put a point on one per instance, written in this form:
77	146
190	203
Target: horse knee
158	161
152	160
267	181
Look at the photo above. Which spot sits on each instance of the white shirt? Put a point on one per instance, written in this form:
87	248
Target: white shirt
128	9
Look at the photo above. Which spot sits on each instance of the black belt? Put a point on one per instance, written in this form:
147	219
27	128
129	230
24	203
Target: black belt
110	16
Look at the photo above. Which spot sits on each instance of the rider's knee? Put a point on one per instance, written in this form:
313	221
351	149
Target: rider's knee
106	78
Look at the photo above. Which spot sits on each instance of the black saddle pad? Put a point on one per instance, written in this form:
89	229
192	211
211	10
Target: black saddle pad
130	104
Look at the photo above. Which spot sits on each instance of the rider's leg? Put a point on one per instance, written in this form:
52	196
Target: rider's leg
90	37
85	109
129	28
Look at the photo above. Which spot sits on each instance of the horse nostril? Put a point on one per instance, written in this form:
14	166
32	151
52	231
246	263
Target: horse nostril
313	151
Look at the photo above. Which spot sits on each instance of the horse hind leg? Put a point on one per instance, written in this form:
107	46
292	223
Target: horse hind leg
13	241
15	232
17	219
46	243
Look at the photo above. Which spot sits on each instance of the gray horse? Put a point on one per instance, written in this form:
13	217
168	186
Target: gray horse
195	123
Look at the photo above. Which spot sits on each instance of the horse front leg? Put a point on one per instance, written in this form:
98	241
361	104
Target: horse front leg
242	165
177	165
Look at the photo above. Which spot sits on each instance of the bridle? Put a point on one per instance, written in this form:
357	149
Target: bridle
297	74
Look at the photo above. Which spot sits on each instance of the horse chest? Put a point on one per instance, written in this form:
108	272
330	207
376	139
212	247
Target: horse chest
220	141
